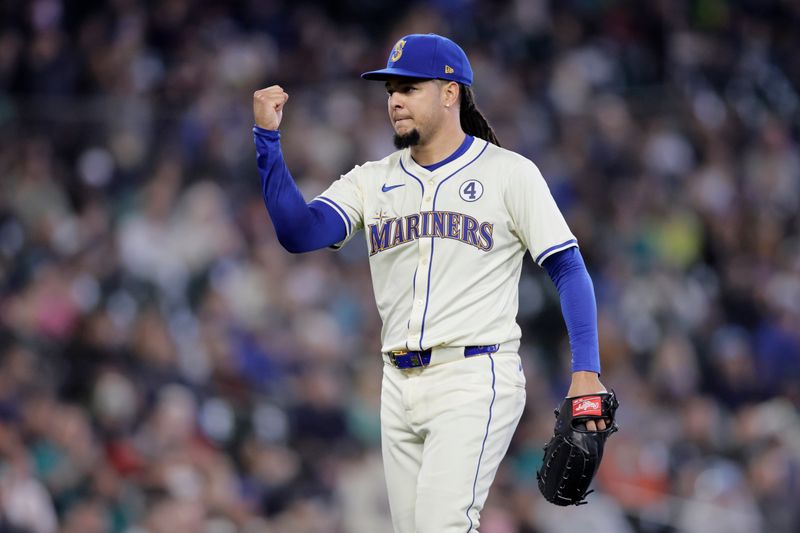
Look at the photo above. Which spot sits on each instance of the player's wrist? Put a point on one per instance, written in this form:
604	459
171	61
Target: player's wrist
585	382
585	374
264	128
266	132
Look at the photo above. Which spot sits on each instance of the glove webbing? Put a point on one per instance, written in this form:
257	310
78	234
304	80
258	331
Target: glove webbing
573	453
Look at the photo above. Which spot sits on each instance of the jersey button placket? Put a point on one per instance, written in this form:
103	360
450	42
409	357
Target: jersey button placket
424	247
427	196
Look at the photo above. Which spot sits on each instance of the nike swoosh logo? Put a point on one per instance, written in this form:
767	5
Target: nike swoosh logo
387	188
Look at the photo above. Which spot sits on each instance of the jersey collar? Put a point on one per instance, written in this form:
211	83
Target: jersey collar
451	164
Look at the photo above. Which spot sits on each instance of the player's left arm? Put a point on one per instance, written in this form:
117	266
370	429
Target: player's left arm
544	231
579	308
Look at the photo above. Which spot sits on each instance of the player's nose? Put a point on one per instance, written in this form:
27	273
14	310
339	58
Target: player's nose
396	100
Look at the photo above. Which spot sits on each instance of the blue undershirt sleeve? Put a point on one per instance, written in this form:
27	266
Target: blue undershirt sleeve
300	226
575	289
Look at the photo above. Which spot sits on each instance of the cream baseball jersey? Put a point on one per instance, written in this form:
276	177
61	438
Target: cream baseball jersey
446	246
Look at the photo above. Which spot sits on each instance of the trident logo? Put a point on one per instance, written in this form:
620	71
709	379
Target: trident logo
397	51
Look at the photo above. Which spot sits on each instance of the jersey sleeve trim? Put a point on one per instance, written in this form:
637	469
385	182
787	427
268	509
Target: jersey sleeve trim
338	208
553	249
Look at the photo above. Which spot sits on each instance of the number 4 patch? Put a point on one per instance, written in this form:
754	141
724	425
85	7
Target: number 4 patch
471	190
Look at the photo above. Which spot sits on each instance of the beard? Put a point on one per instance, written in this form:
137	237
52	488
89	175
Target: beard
406	140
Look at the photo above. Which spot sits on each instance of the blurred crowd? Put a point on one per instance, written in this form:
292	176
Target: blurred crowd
166	366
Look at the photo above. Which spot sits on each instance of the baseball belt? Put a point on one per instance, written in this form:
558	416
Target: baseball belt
403	359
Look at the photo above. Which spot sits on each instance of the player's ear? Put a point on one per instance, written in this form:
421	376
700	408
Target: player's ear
450	92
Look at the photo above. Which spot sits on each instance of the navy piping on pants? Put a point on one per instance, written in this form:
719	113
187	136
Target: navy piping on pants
483	446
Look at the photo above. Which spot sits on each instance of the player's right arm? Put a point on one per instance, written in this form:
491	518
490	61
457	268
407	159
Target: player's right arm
300	226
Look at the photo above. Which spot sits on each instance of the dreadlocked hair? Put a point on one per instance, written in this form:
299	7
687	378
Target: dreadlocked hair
472	120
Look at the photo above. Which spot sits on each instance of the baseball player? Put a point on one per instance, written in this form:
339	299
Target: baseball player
447	220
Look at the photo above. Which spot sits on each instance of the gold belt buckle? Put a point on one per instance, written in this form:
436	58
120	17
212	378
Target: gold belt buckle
394	354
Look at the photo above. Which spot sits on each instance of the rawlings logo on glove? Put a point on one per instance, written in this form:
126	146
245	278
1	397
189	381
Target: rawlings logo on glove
587	405
573	455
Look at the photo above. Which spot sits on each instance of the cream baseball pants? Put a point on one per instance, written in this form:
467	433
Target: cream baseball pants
444	430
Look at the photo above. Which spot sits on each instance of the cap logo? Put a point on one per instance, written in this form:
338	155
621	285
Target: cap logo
448	69
397	51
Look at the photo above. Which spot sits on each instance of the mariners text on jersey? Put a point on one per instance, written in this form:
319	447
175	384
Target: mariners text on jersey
391	232
446	244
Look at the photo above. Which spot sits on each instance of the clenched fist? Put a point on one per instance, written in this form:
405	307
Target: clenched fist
268	107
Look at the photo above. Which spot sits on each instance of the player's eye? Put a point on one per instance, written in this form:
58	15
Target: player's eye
403	89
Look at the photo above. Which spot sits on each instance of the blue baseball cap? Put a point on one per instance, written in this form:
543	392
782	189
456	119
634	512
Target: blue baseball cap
427	56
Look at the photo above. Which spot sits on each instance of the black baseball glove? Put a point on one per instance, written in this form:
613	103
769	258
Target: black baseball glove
572	456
